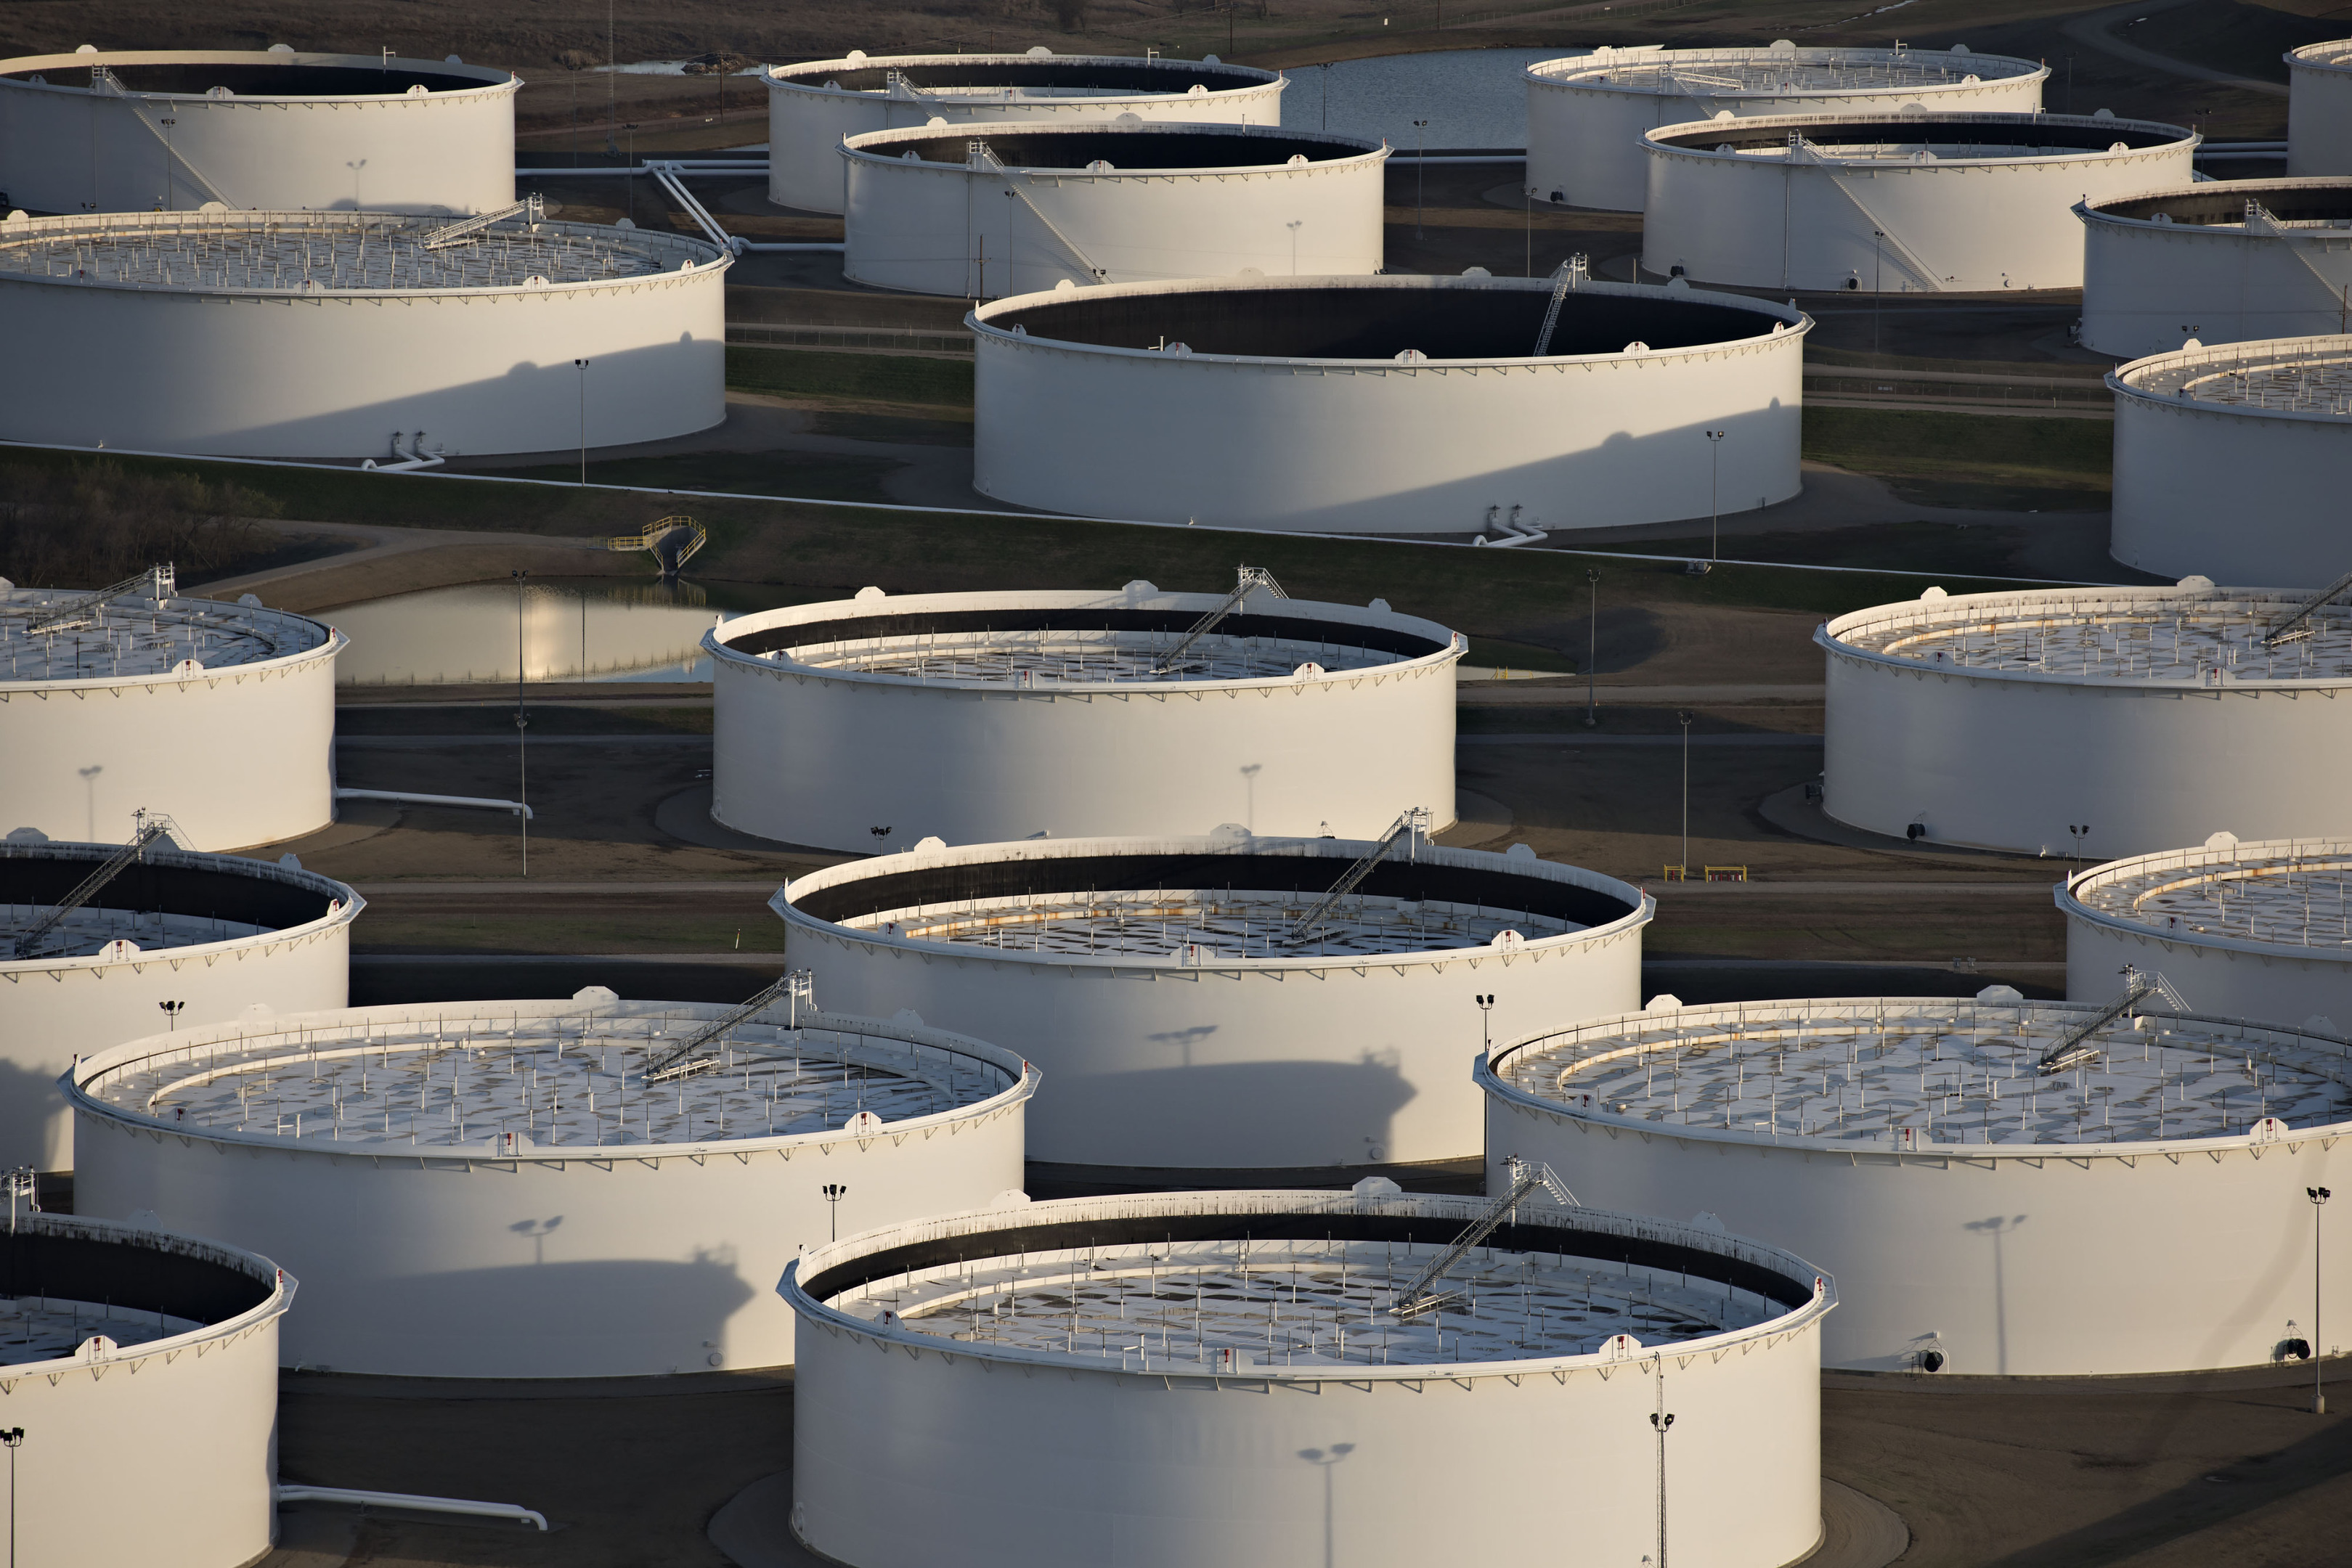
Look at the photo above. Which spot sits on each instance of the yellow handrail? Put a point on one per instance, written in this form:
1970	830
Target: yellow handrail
654	533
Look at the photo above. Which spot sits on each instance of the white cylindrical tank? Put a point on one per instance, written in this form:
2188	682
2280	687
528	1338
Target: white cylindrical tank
1894	203
2223	262
1586	113
171	129
1981	1216
984	210
467	635
2259	929
2319	108
1127	1347
2196	428
1187	1014
172	938
1402	404
140	1370
973	717
814	106
2148	716
397	341
221	715
494	1189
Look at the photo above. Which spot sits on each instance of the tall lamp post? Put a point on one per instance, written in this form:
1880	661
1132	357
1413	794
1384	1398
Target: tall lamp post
15	1439
581	366
834	1193
1684	717
1419	126
1714	513
1485	1023
522	731
1592	649
1662	1421
1877	238
2318	1195
172	1011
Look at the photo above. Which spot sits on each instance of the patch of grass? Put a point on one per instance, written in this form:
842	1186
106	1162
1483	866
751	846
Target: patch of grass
1995	450
884	378
943	429
1991	550
1502	653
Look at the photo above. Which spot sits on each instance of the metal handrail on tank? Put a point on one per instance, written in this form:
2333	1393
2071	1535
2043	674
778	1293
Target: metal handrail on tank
1249	577
686	1060
1411	819
650	536
80	611
152	827
1417	1299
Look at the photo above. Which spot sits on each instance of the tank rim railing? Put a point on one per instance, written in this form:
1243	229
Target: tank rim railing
1303	1208
2250	859
1487	1069
276	1286
334	1033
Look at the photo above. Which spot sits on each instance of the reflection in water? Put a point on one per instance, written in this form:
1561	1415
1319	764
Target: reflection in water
1471	97
570	632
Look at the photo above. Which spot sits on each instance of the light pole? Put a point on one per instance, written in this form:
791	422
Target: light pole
1531	231
1592	649
2318	1195
1684	718
834	1193
581	366
1293	226
1662	1421
15	1438
522	732
2078	834
1877	237
1419	126
1714	517
172	1011
1485	1024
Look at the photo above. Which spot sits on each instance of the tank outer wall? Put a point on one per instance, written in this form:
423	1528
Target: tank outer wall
65	150
2064	1271
1586	141
806	125
175	1462
237	757
1376	448
805	759
906	1463
54	1011
1957	224
2278	985
2180	507
2008	764
926	227
1253	1065
2148	287
480	371
608	1264
2319	111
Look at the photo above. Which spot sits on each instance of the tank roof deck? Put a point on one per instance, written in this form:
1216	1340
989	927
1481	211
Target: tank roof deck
330	252
463	1078
2299	898
2303	384
1078	657
50	1328
1952	1072
1012	78
1785	73
132	637
2147	638
1204	1306
1203	926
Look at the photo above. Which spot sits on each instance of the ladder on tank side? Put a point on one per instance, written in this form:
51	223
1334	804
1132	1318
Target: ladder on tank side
151	826
83	610
2073	1050
1411	821
2292	628
1248	577
1420	1298
687	1059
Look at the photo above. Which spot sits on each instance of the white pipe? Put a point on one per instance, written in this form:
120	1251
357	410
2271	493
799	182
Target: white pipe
482	801
415	459
413	1500
668	173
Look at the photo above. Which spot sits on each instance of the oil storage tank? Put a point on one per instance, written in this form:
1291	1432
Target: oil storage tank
1115	1345
2319	108
1470	405
134	697
1230	1003
470	333
99	943
2255	929
2093	721
637	1174
2221	262
814	105
2003	1187
1904	203
978	716
982	210
115	130
2194	426
125	1352
1586	113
